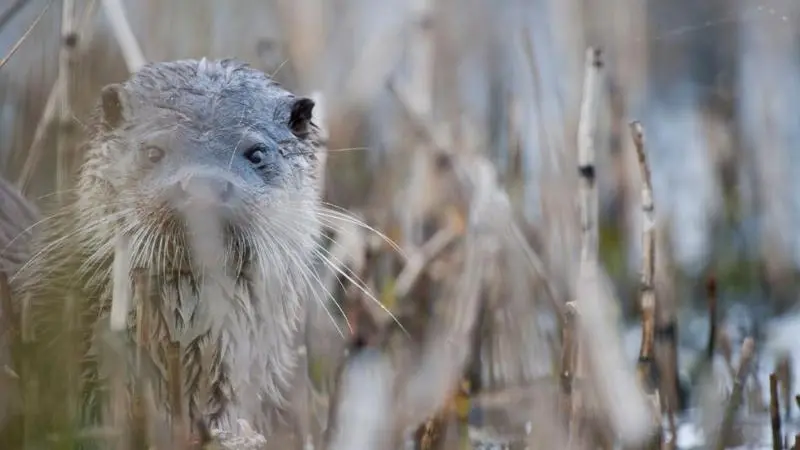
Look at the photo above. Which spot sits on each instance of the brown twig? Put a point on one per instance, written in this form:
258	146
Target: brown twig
711	293
747	352
784	373
775	412
568	353
646	365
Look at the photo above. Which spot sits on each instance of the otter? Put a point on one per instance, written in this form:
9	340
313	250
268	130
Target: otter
205	170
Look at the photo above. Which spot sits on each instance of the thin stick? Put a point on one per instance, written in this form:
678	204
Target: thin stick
646	365
784	373
711	290
568	351
35	150
69	42
25	34
121	299
174	380
134	58
421	257
735	401
588	210
586	156
775	412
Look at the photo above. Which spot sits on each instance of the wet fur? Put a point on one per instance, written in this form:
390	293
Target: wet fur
237	326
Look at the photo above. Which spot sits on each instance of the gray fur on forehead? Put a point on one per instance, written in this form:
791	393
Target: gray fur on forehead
198	87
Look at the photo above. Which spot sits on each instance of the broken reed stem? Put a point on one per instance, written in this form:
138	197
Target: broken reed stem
7	311
588	209
568	353
141	301
586	155
646	365
784	373
423	256
747	352
69	41
711	294
775	413
34	153
131	52
174	375
121	299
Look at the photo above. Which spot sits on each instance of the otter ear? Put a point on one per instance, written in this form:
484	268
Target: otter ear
300	118
115	105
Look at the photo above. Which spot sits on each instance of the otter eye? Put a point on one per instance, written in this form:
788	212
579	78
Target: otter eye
154	154
256	154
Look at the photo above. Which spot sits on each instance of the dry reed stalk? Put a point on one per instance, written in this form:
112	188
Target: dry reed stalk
784	373
775	413
421	257
122	296
745	358
131	51
25	35
588	218
175	386
304	37
35	149
420	95
646	365
66	59
711	295
568	354
7	311
586	156
141	301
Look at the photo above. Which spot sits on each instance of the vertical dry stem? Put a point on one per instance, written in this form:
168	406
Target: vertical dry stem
568	353
748	349
134	58
122	293
646	365
588	210
775	413
586	156
64	85
35	150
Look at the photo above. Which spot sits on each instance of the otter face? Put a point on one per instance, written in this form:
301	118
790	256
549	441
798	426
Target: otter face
188	148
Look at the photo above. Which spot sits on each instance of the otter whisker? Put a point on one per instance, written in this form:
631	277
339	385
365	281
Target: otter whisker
336	212
344	271
53	245
56	215
304	273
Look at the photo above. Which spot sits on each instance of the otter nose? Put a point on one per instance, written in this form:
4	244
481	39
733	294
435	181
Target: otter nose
204	189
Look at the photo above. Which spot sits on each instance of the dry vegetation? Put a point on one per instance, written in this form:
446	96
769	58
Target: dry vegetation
494	149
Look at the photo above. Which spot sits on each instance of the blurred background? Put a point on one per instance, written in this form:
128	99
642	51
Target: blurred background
715	83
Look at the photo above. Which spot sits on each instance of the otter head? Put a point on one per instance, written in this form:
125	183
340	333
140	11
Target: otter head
189	151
